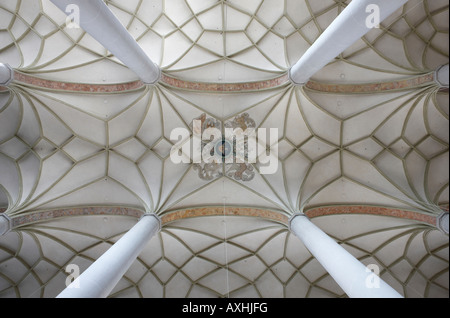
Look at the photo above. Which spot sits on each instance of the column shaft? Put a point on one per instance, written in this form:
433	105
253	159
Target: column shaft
101	277
350	274
344	31
97	19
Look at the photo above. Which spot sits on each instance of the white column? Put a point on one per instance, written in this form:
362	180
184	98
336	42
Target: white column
6	74
101	277
442	222
357	19
5	224
97	19
442	76
350	274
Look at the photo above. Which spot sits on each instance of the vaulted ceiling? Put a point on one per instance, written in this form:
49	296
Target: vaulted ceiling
85	148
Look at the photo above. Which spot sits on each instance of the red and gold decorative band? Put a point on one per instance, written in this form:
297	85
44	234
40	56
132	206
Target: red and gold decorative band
21	220
76	87
227	211
371	210
167	80
225	87
372	87
275	216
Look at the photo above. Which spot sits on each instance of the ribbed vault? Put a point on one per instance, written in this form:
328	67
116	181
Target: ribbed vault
78	131
188	259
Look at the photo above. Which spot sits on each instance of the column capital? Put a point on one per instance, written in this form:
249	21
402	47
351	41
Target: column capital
5	224
298	214
442	222
6	74
158	219
291	79
441	76
156	79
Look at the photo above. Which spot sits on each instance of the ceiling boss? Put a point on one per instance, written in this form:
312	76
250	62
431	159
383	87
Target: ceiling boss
233	151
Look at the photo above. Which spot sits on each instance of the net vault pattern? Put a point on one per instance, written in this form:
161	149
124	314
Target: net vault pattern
58	148
262	260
